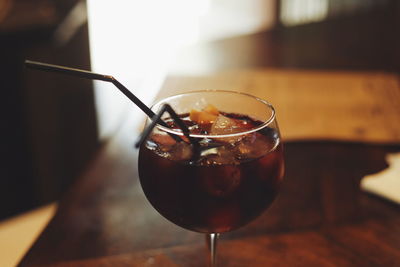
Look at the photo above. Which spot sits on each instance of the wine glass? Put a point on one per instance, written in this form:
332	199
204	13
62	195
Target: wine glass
225	175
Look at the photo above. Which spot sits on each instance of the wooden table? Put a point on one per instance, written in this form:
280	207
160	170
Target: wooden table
338	127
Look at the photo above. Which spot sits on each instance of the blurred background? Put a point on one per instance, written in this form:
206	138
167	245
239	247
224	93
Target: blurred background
53	125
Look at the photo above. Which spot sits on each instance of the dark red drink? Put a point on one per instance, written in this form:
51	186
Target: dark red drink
227	185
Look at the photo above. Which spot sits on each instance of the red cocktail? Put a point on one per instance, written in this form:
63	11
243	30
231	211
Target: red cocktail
229	177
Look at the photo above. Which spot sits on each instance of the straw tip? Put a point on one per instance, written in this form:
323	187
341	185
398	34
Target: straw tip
30	63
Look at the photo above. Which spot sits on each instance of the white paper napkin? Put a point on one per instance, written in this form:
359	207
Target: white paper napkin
387	182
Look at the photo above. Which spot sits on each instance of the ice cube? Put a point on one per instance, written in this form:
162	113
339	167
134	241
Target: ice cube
272	165
209	152
181	151
254	146
222	155
224	125
220	181
163	141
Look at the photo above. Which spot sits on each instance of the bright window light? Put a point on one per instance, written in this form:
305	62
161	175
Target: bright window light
134	40
295	12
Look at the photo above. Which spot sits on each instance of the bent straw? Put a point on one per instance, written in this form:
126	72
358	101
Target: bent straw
93	76
157	117
101	77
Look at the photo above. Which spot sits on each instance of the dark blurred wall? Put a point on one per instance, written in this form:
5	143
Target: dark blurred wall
49	131
360	35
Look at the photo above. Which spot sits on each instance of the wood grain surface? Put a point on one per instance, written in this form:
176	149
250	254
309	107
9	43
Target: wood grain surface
335	105
321	218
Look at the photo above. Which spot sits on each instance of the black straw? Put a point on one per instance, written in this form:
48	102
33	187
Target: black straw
97	76
93	76
177	120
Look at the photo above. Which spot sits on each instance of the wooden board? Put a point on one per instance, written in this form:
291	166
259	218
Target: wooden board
320	218
349	106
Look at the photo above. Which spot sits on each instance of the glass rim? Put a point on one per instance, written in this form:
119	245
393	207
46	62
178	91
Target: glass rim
252	130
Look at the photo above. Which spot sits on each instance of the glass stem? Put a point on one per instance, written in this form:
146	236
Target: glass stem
211	240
